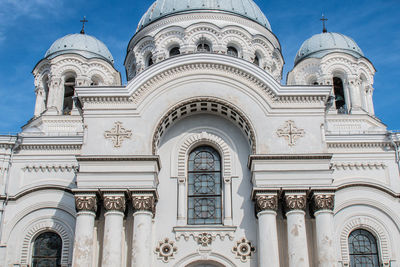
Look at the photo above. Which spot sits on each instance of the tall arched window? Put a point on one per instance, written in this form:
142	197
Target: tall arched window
47	250
149	60
174	51
204	186
69	91
363	249
339	95
232	51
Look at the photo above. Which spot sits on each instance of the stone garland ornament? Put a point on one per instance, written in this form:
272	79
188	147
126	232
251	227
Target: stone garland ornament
243	249
323	202
118	134
266	203
295	202
114	203
86	203
166	250
204	239
290	132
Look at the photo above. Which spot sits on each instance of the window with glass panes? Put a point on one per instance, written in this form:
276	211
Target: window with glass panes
363	249
47	250
204	186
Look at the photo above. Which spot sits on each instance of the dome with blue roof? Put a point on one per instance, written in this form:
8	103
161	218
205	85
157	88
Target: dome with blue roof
163	8
81	44
324	43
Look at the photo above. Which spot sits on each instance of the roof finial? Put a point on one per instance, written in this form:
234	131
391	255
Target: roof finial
83	24
323	19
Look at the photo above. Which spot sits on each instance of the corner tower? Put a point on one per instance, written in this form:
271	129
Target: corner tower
331	58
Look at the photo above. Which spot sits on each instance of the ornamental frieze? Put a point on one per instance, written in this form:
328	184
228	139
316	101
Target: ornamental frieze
295	202
265	202
114	203
324	202
86	203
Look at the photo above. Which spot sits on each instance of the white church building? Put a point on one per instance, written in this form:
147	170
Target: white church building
204	158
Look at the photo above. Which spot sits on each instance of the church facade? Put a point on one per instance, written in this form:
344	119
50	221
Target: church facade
204	158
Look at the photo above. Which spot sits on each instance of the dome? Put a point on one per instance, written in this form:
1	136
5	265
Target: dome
324	43
81	44
163	8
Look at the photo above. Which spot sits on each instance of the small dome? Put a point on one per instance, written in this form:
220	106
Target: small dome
81	44
324	43
163	8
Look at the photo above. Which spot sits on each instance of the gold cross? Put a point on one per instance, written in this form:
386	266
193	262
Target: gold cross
118	134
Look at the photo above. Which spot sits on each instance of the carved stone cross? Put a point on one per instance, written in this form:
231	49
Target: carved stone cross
118	134
290	132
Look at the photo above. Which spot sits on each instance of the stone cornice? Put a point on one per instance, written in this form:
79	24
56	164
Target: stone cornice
120	158
160	73
288	157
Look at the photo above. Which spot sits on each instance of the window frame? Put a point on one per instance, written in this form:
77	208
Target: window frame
375	242
60	250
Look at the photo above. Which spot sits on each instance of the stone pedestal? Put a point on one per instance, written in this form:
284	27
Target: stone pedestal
268	249
144	208
323	210
86	205
295	205
114	205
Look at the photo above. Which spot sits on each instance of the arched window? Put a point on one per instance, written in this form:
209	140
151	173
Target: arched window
69	91
256	60
174	51
204	186
47	250
339	95
149	60
203	46
363	249
232	51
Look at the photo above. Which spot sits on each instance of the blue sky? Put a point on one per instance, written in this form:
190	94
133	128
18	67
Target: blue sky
29	27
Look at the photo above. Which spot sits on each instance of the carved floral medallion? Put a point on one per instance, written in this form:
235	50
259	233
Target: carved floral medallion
166	250
86	203
243	249
114	203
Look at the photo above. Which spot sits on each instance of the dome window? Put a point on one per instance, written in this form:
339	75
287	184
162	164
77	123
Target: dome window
149	60
203	46
256	60
232	51
175	51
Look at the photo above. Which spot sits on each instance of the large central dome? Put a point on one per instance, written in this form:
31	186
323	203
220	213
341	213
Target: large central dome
163	8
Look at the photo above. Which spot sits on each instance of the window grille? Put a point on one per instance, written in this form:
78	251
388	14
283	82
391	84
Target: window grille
47	250
363	249
204	186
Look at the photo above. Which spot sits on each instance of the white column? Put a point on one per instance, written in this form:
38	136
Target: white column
114	205
228	201
56	97
39	106
370	101
355	96
296	229
181	201
86	206
144	207
323	211
268	253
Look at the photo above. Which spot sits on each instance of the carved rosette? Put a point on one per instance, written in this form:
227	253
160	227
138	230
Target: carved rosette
243	249
86	203
324	202
144	203
295	202
166	250
204	239
114	203
266	202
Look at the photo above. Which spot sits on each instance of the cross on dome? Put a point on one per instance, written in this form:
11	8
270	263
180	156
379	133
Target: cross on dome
84	20
324	20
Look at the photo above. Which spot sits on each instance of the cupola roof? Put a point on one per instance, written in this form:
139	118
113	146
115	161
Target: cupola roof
324	43
163	8
81	44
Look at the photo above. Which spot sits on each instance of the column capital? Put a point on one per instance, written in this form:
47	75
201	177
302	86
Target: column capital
323	201
86	202
266	201
114	202
144	201
295	201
